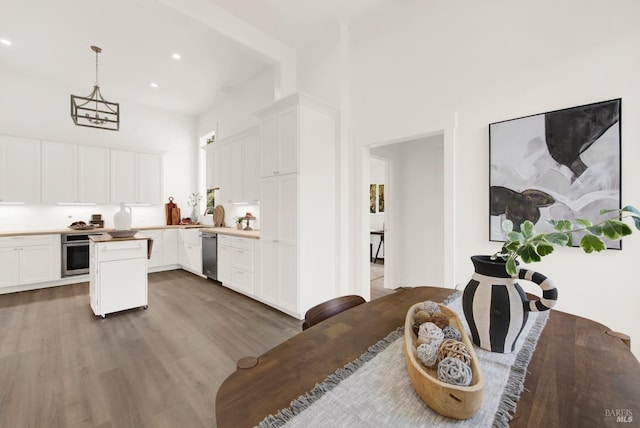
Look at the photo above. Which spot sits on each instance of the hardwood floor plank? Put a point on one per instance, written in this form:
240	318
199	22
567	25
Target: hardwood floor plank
61	366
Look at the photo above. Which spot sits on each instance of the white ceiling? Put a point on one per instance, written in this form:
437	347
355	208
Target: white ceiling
52	39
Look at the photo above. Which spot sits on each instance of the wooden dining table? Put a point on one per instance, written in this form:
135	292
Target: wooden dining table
581	373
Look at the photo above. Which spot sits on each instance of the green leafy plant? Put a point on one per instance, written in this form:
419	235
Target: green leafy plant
194	199
531	246
238	219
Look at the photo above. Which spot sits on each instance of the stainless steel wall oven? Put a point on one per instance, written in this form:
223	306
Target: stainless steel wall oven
75	253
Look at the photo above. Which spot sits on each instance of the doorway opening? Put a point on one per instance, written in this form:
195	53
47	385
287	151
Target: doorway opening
378	174
414	206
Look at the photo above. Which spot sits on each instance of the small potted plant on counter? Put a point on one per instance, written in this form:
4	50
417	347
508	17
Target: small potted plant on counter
494	302
238	221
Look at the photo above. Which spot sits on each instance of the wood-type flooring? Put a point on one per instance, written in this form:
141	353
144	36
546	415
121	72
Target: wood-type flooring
61	366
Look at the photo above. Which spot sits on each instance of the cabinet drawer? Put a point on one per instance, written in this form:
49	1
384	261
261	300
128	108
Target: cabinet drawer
242	280
244	243
243	259
26	240
122	250
225	240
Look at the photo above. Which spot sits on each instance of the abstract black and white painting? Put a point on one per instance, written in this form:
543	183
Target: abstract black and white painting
562	164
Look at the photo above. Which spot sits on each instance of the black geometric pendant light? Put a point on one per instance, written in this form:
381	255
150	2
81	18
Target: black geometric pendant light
93	110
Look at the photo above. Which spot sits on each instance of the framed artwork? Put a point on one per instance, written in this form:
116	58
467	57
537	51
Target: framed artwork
380	198
211	201
560	164
372	198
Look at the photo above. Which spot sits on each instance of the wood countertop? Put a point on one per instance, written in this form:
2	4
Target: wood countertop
97	229
232	231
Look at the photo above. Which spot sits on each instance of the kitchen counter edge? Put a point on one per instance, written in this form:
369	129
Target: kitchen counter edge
222	230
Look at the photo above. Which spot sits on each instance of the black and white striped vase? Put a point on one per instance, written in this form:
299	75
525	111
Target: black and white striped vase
497	308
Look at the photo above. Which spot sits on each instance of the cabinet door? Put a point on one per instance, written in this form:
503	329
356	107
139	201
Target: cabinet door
9	266
123	284
288	141
38	264
250	174
123	176
59	172
149	179
288	209
93	174
236	172
224	178
270	280
269	147
288	263
225	256
269	208
157	250
19	170
170	246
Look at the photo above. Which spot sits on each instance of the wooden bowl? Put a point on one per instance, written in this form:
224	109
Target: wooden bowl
453	401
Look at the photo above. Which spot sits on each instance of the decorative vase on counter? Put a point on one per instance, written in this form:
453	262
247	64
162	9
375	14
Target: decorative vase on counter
122	219
497	308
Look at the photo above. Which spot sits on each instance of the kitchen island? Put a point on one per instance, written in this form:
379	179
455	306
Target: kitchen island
118	273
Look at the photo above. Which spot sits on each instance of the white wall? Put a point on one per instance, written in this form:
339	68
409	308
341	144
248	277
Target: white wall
236	112
34	109
422	62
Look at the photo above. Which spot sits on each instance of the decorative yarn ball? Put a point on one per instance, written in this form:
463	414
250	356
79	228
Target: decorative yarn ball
453	371
451	333
428	354
454	349
416	327
430	307
422	317
431	332
440	319
421	339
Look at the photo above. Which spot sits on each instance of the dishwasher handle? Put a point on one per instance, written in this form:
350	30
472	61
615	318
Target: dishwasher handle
207	236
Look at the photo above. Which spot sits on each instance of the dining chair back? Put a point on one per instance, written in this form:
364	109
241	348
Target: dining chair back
330	308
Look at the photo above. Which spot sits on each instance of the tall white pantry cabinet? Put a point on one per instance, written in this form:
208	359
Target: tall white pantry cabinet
298	188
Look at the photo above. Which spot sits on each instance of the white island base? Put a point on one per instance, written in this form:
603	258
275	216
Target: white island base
118	273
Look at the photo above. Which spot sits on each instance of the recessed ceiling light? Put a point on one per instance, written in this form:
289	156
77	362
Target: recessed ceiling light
176	56
154	85
6	42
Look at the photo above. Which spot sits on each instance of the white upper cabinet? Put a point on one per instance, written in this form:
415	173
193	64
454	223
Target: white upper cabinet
123	176
19	170
136	177
233	167
59	172
93	174
73	173
250	172
280	141
149	178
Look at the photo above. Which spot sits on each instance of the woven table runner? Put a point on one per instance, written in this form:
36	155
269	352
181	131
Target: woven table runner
375	390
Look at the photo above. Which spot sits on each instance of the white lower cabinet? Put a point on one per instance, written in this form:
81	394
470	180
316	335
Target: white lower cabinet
190	250
279	279
237	263
164	253
29	259
118	275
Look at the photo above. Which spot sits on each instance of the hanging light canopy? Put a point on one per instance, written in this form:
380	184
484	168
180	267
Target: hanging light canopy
93	110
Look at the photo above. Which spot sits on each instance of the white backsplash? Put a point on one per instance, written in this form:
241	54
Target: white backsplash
39	217
42	217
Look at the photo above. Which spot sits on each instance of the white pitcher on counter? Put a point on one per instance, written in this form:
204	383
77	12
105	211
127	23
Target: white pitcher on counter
122	219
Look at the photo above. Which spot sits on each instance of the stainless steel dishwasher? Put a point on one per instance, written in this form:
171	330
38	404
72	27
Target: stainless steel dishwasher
210	255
